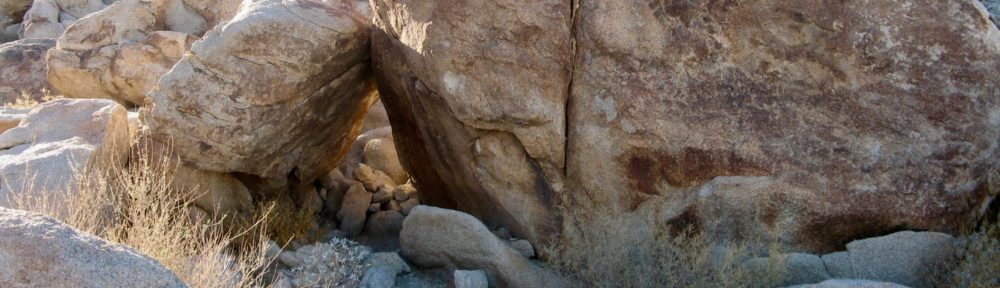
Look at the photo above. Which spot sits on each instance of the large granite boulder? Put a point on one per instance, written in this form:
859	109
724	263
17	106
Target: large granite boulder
830	121
39	251
813	124
23	70
282	87
57	141
477	103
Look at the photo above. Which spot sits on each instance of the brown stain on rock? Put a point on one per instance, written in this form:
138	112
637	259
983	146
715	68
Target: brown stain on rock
686	168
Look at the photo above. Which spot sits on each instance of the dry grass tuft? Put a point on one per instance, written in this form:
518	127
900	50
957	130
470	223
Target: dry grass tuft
136	206
617	251
27	101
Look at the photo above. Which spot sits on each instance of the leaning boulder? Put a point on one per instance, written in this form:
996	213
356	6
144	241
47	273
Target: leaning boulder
58	140
268	108
440	238
23	70
478	103
39	251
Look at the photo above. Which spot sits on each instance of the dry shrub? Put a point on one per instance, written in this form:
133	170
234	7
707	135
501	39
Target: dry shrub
136	206
288	222
979	262
615	250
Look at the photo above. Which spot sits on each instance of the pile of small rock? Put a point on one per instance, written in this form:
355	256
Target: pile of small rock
373	204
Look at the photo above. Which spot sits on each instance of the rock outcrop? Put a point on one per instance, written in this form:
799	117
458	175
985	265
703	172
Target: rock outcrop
22	70
439	238
269	108
118	53
60	139
808	124
49	18
477	103
38	251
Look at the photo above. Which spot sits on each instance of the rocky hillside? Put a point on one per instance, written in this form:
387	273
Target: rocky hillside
492	142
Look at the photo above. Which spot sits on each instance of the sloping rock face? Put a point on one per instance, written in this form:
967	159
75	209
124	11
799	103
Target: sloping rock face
118	53
280	87
38	251
58	139
477	103
812	124
22	69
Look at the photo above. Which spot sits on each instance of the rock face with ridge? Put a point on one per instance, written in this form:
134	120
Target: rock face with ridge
57	140
809	124
269	108
38	251
477	103
23	70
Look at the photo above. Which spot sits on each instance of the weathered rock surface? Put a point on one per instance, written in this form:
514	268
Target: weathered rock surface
477	103
815	109
812	124
118	53
268	108
469	279
439	238
57	140
49	18
23	70
38	251
904	257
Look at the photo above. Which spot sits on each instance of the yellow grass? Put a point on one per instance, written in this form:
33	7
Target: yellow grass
136	206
